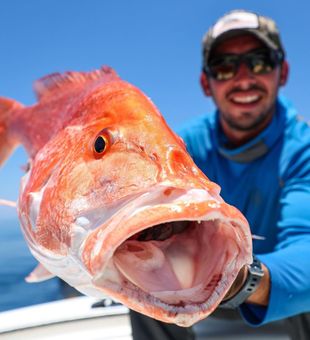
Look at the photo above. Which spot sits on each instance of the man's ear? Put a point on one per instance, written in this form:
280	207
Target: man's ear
284	73
204	82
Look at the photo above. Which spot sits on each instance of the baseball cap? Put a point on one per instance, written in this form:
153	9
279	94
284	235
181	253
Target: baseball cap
238	21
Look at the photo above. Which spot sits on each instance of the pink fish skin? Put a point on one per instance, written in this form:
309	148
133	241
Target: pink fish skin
113	204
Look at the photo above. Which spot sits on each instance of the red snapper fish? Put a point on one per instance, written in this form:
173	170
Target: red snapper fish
113	204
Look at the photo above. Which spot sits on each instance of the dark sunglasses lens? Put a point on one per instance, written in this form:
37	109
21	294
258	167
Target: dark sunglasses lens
223	68
262	62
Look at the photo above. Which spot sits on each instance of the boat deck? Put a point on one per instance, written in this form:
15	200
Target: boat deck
77	318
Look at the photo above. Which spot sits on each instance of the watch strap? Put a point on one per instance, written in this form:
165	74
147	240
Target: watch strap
255	274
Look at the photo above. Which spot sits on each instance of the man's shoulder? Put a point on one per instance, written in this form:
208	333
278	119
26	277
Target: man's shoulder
297	129
296	145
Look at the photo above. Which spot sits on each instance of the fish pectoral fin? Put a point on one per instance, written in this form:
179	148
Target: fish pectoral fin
40	273
8	203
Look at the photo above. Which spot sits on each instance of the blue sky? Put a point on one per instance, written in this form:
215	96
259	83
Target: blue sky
152	44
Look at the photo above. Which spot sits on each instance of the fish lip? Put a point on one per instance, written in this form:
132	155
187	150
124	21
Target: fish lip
99	246
184	316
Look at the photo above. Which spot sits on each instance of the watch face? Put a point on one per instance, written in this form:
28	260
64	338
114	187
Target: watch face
256	267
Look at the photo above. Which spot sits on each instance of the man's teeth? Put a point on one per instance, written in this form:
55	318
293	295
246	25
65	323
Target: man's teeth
245	99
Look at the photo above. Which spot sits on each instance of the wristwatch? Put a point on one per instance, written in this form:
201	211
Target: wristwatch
255	274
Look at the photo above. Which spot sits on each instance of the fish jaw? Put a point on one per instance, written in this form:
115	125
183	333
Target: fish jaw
181	278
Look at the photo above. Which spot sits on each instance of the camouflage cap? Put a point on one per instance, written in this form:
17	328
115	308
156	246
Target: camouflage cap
238	21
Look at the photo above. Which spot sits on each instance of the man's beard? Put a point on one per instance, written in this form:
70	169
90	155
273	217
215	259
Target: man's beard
247	126
254	123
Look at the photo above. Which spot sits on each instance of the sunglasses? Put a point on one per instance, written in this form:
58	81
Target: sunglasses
261	61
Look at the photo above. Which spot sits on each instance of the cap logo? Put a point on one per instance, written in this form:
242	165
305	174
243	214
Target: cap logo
232	21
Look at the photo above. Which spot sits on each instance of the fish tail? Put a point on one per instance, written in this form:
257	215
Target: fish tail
7	140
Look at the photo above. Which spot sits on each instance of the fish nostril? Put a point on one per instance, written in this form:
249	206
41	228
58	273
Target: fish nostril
179	162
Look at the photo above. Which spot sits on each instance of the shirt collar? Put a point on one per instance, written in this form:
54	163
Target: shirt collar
256	147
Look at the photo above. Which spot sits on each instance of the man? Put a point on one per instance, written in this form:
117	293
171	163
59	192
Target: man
258	150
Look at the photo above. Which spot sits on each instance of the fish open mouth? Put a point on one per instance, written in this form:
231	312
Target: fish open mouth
180	262
162	231
170	254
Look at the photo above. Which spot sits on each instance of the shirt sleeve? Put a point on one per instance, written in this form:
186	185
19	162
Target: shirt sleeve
289	263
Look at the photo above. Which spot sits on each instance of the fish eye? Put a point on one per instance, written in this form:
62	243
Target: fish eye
100	145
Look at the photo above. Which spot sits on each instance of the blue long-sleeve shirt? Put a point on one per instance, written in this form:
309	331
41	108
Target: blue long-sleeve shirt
268	180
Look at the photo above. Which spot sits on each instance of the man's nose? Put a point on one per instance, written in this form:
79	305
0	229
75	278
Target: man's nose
244	76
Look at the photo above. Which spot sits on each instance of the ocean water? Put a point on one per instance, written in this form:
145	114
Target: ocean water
16	262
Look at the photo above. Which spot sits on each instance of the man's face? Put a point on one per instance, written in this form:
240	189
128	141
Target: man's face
246	101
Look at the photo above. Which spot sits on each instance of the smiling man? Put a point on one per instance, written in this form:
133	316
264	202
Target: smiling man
257	149
243	75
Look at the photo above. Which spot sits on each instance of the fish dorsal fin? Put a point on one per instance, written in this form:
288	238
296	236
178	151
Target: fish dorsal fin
7	104
55	83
